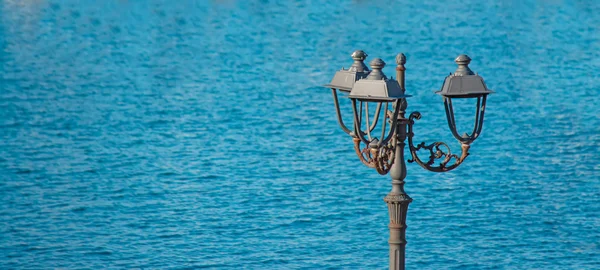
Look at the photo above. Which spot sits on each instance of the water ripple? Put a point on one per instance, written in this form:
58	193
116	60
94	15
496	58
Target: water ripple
195	135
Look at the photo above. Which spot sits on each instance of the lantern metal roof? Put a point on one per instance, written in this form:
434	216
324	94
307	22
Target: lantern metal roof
344	79
376	86
464	83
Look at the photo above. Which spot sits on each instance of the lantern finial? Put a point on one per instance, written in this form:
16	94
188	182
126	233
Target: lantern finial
359	66
343	80
376	74
463	61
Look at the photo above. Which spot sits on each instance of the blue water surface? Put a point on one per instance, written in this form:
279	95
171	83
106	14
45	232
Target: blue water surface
194	134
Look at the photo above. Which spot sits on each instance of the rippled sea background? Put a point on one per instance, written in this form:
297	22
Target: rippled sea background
188	134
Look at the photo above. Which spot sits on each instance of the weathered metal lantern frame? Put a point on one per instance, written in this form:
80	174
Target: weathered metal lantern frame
344	80
386	153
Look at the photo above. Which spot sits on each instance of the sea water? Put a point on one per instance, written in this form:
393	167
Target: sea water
188	134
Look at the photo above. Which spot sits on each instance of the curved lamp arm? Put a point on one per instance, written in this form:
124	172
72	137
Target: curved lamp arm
369	141
377	154
376	119
338	113
466	138
437	150
394	124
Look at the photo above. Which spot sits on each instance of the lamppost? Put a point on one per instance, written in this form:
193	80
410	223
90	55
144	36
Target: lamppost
386	153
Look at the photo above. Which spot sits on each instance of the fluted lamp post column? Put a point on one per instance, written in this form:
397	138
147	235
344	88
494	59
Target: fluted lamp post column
385	153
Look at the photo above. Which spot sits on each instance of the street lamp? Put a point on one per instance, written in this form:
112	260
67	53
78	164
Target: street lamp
386	153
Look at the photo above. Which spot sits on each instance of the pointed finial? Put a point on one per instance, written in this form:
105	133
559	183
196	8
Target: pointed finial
400	59
359	66
463	61
400	70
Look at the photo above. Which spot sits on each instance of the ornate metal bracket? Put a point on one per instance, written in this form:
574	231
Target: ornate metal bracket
437	151
379	158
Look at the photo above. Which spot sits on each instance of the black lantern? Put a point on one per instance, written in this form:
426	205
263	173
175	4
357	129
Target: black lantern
464	83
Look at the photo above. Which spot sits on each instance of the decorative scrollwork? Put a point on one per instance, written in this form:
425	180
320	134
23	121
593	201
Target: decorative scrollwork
379	158
385	158
437	151
363	154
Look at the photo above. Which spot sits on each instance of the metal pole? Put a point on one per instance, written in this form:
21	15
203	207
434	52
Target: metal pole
397	200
